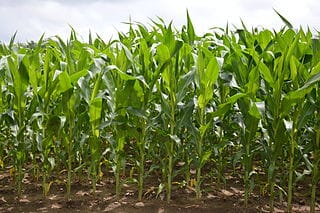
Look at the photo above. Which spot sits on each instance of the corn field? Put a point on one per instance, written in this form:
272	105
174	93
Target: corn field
166	103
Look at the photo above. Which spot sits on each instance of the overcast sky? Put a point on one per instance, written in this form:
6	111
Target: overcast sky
32	18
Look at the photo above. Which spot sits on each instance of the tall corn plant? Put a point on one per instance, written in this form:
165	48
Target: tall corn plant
65	80
86	77
169	54
95	112
5	114
174	63
139	50
44	126
139	63
295	105
285	67
122	91
206	75
17	77
316	159
304	101
169	95
242	63
274	78
48	125
316	128
48	88
299	101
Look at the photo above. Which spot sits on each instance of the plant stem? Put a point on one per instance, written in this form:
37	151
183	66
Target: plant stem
220	160
273	163
94	180
69	169
44	188
170	166
187	174
171	149
291	159
220	168
117	175
272	184
315	172
141	175
19	180
198	187
246	175
170	173
141	145
199	146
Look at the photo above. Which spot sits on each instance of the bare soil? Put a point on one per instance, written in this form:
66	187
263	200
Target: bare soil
229	199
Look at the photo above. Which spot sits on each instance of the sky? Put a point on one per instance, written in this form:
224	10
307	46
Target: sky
32	18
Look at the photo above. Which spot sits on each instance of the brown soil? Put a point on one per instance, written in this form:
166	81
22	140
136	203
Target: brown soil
229	199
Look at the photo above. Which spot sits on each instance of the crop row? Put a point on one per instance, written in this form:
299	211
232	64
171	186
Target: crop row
157	97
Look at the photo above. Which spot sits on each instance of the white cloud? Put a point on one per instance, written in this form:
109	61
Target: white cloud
33	17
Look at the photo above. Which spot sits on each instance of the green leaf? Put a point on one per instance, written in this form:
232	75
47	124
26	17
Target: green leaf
292	47
311	81
202	101
254	111
207	80
293	69
237	157
183	85
190	29
177	47
53	125
306	112
203	129
284	20
163	53
212	72
267	76
96	87
293	97
253	84
223	108
205	157
120	143
20	79
11	42
235	97
139	91
75	76
271	170
95	110
127	52
23	72
64	82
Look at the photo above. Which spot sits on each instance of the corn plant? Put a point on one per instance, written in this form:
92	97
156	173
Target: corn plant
169	101
315	171
207	73
316	133
165	102
138	101
18	77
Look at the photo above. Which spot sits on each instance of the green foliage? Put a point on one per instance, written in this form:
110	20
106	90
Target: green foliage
158	98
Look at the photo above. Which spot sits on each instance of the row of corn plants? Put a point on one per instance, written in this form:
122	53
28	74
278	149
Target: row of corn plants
164	102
